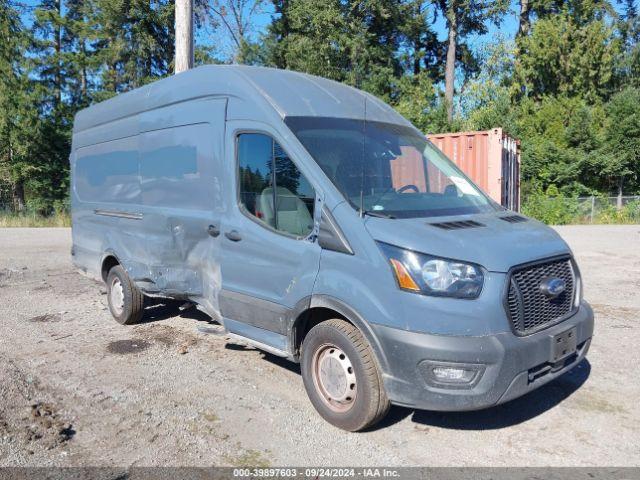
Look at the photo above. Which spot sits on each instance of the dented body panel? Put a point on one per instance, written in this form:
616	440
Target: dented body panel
156	188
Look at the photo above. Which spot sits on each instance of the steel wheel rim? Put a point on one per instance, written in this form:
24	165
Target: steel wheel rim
334	378
116	296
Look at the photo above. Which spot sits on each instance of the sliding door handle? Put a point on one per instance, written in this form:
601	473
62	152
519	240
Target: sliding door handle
213	231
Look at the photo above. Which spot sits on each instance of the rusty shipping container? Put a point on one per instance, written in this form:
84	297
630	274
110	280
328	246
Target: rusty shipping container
490	158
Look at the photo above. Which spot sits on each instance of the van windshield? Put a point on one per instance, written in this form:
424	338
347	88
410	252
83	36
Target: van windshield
391	170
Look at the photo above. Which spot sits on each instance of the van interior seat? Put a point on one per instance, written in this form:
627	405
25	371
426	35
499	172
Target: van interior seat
293	214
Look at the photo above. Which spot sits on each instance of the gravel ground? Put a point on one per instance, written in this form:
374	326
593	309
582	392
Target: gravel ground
78	389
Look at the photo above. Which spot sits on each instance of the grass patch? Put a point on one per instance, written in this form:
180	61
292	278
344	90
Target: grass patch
34	220
248	459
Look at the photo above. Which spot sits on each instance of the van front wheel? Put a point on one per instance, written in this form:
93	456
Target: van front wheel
341	376
126	301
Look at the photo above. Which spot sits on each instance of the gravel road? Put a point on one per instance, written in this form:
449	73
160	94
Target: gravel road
76	388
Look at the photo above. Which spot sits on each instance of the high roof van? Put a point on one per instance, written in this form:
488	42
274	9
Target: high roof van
314	222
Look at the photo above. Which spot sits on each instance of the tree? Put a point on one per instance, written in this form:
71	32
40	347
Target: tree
465	17
349	41
48	62
417	100
135	43
524	20
563	57
619	157
486	101
629	27
48	159
79	38
421	51
237	18
16	118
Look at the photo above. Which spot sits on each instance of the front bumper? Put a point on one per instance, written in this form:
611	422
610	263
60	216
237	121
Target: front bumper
510	366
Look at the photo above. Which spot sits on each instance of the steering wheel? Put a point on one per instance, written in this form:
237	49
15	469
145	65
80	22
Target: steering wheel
408	187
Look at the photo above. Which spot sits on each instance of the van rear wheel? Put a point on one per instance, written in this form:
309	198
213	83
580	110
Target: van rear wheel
341	376
126	301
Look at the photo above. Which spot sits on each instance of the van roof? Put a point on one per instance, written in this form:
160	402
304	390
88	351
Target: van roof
288	93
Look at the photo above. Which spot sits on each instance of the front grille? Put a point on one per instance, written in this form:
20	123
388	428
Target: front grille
529	309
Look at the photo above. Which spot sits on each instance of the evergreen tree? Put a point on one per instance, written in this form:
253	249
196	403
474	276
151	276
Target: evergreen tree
79	52
353	42
135	42
619	159
564	57
16	118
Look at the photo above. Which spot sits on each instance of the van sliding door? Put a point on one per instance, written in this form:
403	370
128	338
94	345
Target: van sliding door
183	195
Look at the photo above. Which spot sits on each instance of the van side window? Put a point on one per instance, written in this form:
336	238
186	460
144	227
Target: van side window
272	189
108	172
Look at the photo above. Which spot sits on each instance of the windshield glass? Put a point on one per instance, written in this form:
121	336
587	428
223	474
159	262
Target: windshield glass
390	169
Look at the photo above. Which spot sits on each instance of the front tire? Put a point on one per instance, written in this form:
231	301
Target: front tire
126	301
341	376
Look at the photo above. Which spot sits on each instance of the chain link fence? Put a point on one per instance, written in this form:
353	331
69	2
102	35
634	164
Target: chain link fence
559	210
609	209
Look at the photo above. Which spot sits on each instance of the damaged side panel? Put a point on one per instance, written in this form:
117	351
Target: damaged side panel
151	197
180	170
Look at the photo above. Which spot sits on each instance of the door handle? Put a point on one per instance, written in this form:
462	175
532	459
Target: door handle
233	235
213	231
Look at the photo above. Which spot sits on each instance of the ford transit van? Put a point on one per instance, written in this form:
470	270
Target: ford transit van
314	222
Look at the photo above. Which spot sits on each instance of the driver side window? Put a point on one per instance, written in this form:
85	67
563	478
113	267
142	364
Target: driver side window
272	189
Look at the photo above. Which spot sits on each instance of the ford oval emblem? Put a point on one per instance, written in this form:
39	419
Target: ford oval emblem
553	286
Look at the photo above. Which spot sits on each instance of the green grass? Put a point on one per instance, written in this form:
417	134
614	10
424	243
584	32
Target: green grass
34	220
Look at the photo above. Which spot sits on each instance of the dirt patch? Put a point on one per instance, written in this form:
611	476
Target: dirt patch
168	337
47	317
46	427
159	334
30	420
10	276
127	347
4	427
597	404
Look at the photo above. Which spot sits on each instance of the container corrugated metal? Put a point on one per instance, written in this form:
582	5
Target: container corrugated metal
490	158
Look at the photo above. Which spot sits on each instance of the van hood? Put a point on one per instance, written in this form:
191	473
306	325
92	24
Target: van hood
495	244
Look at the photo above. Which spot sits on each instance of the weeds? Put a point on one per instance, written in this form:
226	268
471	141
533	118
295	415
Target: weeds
57	219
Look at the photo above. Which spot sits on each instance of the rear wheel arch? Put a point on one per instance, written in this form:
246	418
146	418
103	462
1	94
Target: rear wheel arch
108	262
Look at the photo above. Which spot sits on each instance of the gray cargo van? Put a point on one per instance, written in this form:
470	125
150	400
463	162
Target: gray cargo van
313	221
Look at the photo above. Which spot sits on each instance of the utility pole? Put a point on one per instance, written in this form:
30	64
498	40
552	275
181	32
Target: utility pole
184	35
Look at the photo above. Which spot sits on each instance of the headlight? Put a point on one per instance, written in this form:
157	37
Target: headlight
421	273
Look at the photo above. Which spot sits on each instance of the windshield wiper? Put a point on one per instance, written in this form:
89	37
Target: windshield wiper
373	213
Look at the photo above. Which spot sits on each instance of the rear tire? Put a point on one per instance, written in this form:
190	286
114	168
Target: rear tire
341	376
126	301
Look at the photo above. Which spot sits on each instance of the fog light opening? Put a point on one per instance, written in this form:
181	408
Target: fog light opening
453	374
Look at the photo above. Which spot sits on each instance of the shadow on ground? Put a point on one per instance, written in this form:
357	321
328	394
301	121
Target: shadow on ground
502	416
162	309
